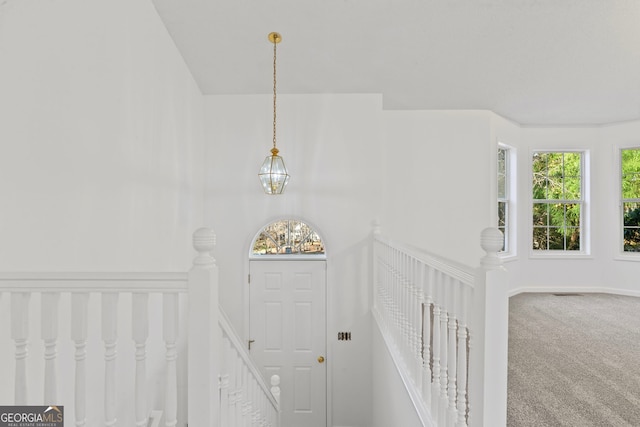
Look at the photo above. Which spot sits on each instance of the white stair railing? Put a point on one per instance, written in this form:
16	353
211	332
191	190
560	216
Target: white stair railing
221	373
260	403
218	367
446	326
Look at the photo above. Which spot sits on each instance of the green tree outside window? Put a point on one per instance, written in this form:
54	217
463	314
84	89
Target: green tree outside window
557	200
630	179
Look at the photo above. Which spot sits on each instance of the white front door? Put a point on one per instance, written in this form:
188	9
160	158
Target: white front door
287	322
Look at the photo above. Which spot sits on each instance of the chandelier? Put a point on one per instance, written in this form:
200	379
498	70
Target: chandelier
273	173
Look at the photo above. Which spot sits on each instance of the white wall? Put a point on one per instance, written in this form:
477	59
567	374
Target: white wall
101	139
101	148
439	181
392	405
603	268
331	145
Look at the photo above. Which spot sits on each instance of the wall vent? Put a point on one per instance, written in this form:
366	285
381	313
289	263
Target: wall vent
344	336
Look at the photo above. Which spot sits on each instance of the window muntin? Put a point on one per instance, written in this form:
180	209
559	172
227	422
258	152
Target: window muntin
557	201
503	196
630	194
288	237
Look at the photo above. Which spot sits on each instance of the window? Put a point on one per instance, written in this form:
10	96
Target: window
288	237
557	201
630	189
503	196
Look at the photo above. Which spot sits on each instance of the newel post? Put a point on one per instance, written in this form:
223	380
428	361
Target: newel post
204	335
489	337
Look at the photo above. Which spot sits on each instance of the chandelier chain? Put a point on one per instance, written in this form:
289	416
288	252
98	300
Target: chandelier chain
274	94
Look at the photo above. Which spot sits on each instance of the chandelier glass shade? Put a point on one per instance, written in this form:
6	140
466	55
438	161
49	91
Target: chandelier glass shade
273	173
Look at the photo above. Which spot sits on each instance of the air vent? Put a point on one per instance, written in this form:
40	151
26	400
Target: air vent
344	336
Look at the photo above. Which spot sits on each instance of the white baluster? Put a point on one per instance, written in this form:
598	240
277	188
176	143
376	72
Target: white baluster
246	403
110	336
419	345
232	356
275	388
79	325
452	353
20	336
444	360
435	384
49	334
225	380
256	400
461	420
224	400
416	325
170	334
427	348
140	333
275	391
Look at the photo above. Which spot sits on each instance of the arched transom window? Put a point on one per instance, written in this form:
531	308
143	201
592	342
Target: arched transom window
288	237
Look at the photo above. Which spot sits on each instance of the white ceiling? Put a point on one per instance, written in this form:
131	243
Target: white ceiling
537	62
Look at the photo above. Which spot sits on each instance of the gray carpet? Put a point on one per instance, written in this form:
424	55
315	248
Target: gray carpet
574	360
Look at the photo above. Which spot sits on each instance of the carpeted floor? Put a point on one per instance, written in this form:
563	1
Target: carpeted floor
574	360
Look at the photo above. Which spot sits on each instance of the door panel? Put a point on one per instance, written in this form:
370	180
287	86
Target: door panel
288	328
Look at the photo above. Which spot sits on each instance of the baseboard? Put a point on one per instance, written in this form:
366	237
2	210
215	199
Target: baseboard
582	290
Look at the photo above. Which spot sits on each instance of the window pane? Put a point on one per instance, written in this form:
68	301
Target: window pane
556	239
555	165
573	239
502	186
556	215
502	161
631	229
539	163
540	238
288	237
631	186
555	188
502	214
631	161
540	214
540	185
572	189
572	166
631	240
572	215
631	214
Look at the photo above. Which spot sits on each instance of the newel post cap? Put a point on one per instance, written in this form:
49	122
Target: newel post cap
377	229
275	387
491	240
204	241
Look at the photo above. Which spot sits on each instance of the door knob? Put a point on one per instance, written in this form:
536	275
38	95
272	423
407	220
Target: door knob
320	359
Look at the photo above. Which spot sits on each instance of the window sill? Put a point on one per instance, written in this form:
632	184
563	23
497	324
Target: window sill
508	257
633	257
560	255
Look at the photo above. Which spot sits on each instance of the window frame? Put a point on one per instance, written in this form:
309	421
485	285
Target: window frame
509	199
287	222
621	253
583	201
